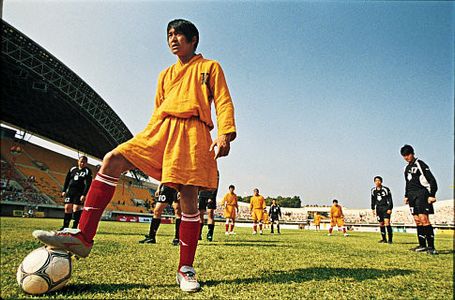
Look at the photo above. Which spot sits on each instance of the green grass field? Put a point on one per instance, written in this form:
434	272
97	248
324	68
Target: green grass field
296	264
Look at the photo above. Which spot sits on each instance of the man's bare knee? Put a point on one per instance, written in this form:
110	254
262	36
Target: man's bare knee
115	164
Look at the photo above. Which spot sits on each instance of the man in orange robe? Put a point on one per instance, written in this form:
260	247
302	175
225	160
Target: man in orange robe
175	148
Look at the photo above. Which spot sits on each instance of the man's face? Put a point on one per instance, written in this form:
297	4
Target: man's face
178	43
274	202
82	162
335	203
256	192
377	182
231	189
408	158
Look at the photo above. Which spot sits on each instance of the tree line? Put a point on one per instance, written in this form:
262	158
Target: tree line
294	202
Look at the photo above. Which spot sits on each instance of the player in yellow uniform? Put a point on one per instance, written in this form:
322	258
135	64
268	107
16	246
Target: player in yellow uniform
257	206
317	221
231	208
265	218
175	148
337	218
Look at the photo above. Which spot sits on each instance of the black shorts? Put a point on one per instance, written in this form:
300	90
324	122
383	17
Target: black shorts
381	214
207	203
73	198
167	195
418	203
274	219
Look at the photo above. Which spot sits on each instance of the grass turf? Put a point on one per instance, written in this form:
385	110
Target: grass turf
296	264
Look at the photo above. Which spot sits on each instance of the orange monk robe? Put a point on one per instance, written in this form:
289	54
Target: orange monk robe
230	205
257	206
174	146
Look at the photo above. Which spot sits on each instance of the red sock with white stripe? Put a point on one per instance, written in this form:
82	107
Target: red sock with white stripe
227	226
232	226
189	234
98	197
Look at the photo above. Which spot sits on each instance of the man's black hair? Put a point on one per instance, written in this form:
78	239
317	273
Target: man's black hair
377	177
186	28
83	157
335	201
406	150
232	187
256	189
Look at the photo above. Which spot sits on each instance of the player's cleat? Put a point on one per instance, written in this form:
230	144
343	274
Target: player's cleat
175	242
432	251
70	240
255	232
186	279
346	235
329	234
382	241
389	242
226	233
209	238
148	240
260	232
232	232
420	249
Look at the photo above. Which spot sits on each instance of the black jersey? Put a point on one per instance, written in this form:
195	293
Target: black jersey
419	177
78	181
381	198
275	211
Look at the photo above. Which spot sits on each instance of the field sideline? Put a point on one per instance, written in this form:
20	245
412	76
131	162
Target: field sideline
296	264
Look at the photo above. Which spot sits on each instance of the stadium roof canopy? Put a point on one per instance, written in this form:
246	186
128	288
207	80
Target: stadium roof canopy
42	96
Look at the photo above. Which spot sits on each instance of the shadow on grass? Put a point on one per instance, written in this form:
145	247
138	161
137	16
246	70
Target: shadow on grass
446	252
85	288
302	275
246	244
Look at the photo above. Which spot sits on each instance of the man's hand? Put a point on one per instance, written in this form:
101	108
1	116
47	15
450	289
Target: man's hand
406	200
389	211
223	145
431	200
63	194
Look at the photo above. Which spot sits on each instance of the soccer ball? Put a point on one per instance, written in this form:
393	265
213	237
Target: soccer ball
44	270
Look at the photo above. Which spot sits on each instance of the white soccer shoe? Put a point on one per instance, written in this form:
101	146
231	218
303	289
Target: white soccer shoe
260	232
226	233
255	232
70	240
346	235
329	234
186	279
232	232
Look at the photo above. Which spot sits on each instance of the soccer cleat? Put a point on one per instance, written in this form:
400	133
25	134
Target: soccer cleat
329	234
390	242
175	242
255	232
209	238
260	232
148	240
226	233
232	232
186	279
382	241
346	235
432	251
70	240
420	249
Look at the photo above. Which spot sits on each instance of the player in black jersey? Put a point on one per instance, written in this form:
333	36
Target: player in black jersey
75	189
275	215
207	202
420	194
164	196
382	204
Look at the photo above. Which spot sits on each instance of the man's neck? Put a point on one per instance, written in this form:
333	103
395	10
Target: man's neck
185	59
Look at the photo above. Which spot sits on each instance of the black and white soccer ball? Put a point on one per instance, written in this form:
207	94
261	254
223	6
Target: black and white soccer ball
44	270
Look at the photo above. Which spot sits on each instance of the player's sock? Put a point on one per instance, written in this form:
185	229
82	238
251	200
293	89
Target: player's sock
278	227
421	236
260	226
390	232
330	230
178	222
343	229
76	217
383	233
429	235
211	229
154	225
98	197
67	219
232	226
200	230
271	228
189	233
227	225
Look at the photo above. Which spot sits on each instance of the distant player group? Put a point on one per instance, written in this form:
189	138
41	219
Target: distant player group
176	149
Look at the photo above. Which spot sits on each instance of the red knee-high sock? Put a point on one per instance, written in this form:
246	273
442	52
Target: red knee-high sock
98	197
227	227
260	226
232	226
344	229
330	229
189	234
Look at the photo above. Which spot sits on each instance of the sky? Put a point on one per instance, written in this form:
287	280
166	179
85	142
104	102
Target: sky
325	93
